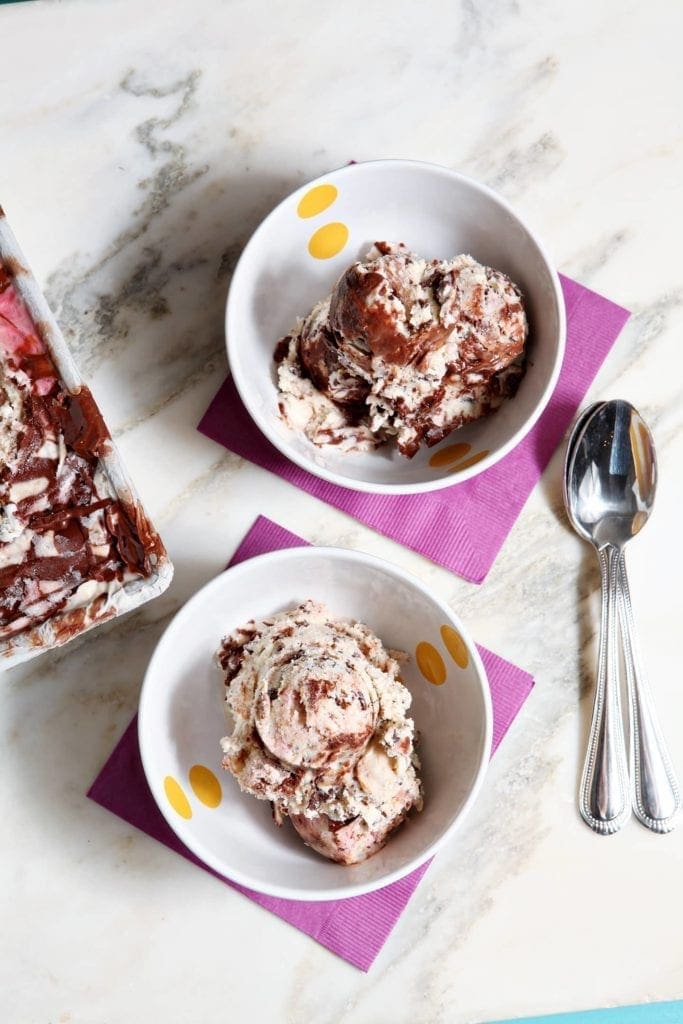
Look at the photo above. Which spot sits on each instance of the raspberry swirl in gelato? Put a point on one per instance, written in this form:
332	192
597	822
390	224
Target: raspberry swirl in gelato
404	348
320	729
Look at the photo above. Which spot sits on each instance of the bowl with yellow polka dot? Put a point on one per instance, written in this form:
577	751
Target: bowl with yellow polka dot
182	719
304	245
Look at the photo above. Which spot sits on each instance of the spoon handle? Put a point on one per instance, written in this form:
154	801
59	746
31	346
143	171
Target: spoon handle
604	799
656	794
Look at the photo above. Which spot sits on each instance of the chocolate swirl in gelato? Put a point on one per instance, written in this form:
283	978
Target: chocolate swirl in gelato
67	543
403	349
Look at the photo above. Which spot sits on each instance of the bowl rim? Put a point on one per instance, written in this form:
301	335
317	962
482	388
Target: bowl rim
368	486
146	725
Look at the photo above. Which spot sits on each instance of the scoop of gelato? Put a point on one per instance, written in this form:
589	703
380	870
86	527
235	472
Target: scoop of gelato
320	729
404	348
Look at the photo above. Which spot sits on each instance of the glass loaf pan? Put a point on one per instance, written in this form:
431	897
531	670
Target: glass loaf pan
65	625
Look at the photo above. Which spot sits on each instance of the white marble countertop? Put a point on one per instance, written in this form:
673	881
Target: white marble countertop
142	142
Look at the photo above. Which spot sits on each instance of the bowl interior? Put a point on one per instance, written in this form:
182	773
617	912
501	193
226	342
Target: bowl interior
437	213
182	720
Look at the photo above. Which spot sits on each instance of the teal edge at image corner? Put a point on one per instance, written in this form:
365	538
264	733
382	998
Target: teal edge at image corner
645	1013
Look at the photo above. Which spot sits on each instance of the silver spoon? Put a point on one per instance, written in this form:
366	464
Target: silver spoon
610	481
604	795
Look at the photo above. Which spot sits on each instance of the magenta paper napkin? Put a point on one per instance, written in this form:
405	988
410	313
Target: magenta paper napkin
356	928
461	527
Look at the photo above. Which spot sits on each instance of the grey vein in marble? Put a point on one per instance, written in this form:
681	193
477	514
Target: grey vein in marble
646	325
594	256
174	175
169	268
153	265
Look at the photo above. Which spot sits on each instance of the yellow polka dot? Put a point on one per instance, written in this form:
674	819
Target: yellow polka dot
205	785
430	663
176	797
472	461
455	645
316	200
328	240
451	453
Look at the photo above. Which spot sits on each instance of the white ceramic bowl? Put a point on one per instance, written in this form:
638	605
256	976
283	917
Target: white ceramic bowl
437	213
182	720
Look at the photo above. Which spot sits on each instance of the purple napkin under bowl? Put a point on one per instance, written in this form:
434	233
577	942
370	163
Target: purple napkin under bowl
463	527
354	928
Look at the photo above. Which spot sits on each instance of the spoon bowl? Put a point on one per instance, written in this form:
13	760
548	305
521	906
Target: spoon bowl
612	476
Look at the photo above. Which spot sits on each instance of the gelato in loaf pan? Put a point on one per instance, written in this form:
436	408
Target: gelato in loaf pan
76	547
